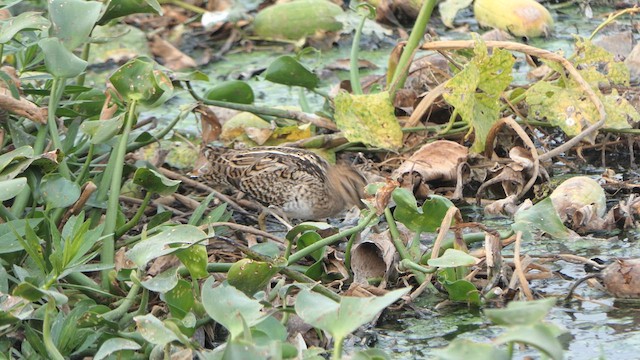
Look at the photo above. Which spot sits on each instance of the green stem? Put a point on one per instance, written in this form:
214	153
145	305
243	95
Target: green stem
185	6
124	306
53	352
5	214
85	56
211	267
452	120
84	172
337	348
136	218
165	130
330	240
113	204
354	74
57	89
408	264
347	253
399	245
417	33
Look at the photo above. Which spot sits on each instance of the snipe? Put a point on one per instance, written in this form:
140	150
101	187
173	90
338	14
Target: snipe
300	183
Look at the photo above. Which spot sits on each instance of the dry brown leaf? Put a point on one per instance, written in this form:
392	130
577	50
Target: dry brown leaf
211	128
622	278
434	161
172	58
374	257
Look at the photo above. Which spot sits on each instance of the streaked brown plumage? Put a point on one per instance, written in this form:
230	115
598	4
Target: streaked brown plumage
300	183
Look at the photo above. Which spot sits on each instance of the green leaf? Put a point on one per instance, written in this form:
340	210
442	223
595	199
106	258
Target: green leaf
34	293
60	62
138	81
521	312
230	307
428	218
155	182
543	217
14	162
234	91
341	319
11	188
195	259
59	192
28	20
541	336
369	119
162	282
453	258
309	238
114	345
475	91
73	21
10	231
102	131
14	309
462	291
286	70
180	236
297	19
153	330
180	299
466	349
119	8
250	276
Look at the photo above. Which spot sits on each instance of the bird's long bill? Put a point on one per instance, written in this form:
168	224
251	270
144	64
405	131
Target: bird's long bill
201	167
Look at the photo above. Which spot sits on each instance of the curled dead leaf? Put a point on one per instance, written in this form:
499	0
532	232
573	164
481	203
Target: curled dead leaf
622	278
434	161
374	258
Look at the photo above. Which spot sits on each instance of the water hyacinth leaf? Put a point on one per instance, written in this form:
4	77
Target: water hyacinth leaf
453	258
230	307
61	62
155	182
544	337
521	312
11	188
467	349
180	236
526	18
180	299
297	19
120	8
241	349
162	282
475	91
286	70
28	20
113	345
309	238
73	20
59	192
304	227
234	91
195	259
369	119
341	319
427	218
138	81
250	276
102	131
449	8
462	291
153	330
543	217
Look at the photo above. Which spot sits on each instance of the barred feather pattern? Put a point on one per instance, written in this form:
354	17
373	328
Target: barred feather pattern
299	182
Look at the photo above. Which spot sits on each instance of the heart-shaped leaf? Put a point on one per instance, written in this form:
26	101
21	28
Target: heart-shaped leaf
28	20
73	20
234	91
59	192
155	182
61	62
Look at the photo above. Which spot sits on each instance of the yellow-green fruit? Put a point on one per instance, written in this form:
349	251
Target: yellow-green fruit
518	17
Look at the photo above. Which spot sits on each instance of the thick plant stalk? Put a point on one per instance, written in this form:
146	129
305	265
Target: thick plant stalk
113	204
417	33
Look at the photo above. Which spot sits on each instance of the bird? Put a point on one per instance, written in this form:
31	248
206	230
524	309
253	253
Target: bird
296	181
